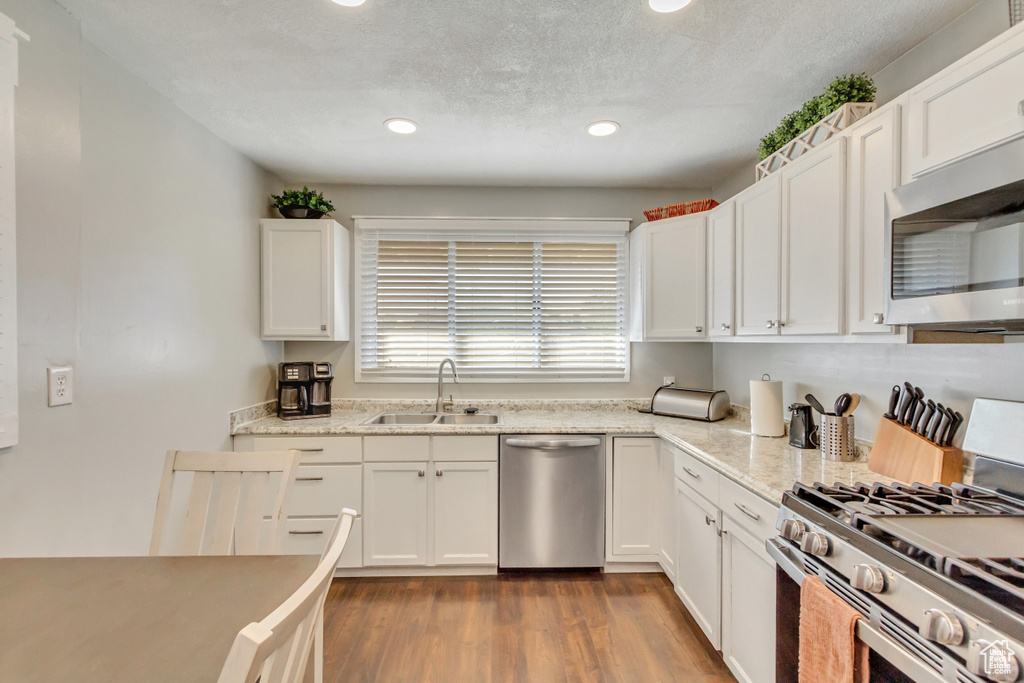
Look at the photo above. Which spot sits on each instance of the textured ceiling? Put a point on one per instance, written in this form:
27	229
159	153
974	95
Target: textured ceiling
501	89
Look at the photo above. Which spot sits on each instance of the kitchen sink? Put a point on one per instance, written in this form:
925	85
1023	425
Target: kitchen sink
466	419
418	419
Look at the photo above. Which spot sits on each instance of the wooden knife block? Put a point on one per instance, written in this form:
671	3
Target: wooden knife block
909	457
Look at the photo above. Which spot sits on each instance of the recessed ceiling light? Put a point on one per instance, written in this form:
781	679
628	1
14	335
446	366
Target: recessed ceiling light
663	5
602	128
350	3
400	126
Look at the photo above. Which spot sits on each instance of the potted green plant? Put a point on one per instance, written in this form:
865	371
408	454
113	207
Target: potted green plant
304	203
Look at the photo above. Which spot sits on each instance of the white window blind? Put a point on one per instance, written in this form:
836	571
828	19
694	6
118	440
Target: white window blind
507	300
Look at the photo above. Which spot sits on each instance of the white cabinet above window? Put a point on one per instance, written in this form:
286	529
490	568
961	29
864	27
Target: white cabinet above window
667	280
305	267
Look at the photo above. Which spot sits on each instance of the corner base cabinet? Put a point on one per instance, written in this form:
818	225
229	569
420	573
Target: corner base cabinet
304	280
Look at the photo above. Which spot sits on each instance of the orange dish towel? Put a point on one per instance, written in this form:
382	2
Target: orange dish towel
829	649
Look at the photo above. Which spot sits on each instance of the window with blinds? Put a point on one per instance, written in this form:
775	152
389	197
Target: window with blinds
507	300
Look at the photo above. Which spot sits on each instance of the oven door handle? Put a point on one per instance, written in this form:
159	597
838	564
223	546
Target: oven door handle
874	639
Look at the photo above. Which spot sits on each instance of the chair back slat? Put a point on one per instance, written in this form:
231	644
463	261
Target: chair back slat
224	512
276	649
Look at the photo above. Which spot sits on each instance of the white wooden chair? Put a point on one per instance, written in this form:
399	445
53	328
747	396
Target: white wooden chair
276	649
225	505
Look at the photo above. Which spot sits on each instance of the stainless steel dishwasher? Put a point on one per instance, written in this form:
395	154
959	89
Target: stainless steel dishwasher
551	501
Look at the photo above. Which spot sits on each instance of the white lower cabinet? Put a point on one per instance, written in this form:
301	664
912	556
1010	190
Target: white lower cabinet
395	520
465	512
426	512
699	569
635	509
748	605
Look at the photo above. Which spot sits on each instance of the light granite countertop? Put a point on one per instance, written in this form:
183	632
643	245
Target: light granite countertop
766	466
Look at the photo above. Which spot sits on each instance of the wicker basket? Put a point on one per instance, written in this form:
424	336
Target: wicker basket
680	209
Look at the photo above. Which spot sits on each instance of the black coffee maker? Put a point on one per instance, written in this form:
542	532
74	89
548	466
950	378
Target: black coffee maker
803	433
304	390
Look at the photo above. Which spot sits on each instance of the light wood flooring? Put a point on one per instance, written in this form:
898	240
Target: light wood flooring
535	627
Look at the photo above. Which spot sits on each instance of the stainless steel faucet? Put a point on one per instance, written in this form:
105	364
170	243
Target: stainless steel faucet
442	405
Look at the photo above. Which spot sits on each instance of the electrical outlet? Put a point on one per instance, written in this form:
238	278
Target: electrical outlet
58	386
668	381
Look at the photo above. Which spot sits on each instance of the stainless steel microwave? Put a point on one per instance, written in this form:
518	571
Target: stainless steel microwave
954	258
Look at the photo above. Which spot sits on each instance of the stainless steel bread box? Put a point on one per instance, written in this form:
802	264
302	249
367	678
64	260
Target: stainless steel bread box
695	404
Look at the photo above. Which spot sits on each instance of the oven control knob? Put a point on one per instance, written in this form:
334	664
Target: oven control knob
992	661
868	578
793	529
942	627
815	543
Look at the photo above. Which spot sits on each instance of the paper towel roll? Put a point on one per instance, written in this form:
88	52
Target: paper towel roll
766	407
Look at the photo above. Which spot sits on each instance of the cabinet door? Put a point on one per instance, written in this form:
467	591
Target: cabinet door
674	279
813	265
297	279
748	606
395	517
465	512
721	271
874	165
757	258
635	472
667	553
699	570
977	104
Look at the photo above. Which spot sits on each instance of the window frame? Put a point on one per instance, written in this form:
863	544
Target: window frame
565	228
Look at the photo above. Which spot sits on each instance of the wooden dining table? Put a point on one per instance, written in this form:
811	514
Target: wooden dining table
153	619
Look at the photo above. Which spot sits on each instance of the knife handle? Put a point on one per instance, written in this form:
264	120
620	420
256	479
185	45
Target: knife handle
919	408
905	399
944	423
894	400
929	411
933	426
958	420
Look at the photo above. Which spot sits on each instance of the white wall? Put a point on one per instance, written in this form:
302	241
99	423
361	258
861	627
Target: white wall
138	265
952	374
689	363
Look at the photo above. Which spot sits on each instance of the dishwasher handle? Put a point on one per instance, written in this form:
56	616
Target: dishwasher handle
553	443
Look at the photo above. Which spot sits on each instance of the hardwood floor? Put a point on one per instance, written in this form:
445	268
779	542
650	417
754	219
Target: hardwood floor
535	627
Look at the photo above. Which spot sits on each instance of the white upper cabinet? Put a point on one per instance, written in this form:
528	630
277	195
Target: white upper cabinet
667	279
305	273
975	104
813	216
874	169
757	258
721	269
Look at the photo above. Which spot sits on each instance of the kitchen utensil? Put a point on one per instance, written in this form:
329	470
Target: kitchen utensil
894	401
919	408
926	416
837	442
842	403
933	426
803	433
815	403
854	402
944	422
957	421
901	454
915	399
904	402
766	407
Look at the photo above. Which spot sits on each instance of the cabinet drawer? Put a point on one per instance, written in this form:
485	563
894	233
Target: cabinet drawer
315	449
323	490
466	448
396	448
743	505
974	106
309	536
697	475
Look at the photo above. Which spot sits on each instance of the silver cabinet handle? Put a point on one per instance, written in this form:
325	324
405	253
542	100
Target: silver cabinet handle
309	478
306	533
421	473
308	450
708	521
553	443
878	319
725	326
691	473
1020	108
699	330
753	515
770	324
780	323
439	473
